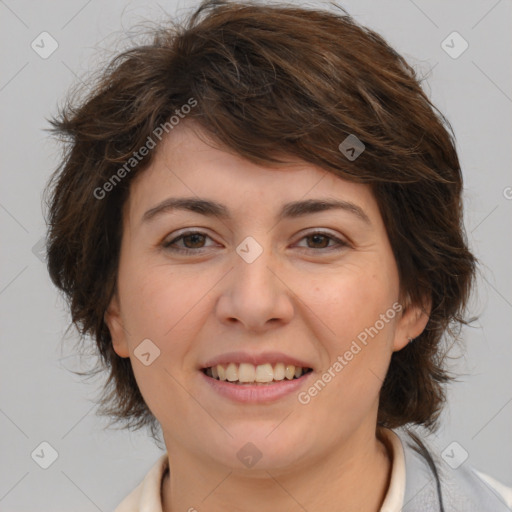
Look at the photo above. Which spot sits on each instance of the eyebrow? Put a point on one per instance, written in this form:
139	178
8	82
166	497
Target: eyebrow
291	210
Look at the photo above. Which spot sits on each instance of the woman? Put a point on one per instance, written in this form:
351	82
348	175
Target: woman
259	221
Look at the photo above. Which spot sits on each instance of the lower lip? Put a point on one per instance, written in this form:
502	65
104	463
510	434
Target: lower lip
256	393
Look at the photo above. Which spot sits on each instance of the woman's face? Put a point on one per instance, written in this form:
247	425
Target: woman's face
268	280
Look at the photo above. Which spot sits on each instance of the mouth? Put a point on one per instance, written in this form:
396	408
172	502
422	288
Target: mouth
250	374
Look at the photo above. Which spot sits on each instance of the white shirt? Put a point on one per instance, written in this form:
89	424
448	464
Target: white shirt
147	496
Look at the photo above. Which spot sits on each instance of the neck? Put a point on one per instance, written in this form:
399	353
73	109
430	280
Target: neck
354	477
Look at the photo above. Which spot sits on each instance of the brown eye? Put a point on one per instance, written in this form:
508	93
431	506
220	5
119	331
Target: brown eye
321	240
193	241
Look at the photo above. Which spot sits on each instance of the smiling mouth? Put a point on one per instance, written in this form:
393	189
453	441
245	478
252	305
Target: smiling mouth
249	374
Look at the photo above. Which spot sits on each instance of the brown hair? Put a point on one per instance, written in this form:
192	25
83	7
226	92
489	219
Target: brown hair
268	81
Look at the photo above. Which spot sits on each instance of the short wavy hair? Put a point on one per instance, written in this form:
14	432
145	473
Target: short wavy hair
268	80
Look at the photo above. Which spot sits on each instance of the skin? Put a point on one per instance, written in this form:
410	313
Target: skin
297	297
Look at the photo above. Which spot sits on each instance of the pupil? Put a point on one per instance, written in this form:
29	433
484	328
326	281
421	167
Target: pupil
316	237
194	236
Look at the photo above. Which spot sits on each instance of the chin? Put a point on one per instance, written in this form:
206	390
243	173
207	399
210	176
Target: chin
261	447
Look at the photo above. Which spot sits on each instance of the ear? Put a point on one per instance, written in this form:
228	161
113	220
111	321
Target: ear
115	325
413	320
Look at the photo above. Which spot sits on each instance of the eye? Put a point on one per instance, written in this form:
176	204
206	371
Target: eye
193	241
321	240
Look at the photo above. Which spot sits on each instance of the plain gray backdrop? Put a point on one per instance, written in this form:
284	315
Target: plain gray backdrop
41	401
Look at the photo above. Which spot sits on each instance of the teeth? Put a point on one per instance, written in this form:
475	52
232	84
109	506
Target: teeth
279	371
264	373
232	372
246	372
249	373
289	371
221	372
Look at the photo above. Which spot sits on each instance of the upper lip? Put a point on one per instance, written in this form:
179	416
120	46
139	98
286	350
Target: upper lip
255	359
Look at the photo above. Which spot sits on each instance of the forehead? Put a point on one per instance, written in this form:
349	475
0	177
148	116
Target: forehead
189	163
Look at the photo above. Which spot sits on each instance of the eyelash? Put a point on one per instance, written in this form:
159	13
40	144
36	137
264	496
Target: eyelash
167	245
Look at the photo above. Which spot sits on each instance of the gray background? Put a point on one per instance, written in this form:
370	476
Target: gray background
41	400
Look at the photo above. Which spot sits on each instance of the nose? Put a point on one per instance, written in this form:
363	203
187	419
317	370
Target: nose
255	295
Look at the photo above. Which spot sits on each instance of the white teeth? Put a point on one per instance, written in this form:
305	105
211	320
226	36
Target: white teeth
221	372
264	373
232	372
279	371
246	372
249	373
289	371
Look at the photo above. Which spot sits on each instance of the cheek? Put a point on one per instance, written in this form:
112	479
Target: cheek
355	340
160	304
350	302
356	344
163	304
